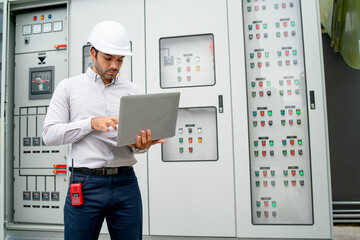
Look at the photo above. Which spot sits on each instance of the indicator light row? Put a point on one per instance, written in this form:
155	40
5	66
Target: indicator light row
281	92
285	173
279	53
270	123
190	140
281	83
263	7
188	69
294	183
280	63
266	203
190	149
270	112
265	25
272	153
42	17
266	214
266	35
284	142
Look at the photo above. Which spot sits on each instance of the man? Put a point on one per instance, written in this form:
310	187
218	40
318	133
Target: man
82	107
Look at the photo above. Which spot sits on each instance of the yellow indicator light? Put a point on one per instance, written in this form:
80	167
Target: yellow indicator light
199	139
42	17
197	68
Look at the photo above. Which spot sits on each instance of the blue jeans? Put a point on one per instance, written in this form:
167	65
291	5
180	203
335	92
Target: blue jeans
116	198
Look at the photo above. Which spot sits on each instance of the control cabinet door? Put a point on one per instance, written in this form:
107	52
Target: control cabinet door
191	182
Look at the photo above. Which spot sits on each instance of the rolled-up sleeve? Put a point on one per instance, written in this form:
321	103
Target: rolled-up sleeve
57	128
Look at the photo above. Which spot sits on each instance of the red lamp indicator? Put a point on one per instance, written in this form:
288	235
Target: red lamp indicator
262	113
191	150
261	93
289	92
287	63
292	152
292	142
262	123
263	143
35	18
265	183
266	203
261	84
264	153
287	53
290	112
265	173
257	26
190	140
285	24
293	183
291	122
256	8
259	64
257	35
259	55
293	172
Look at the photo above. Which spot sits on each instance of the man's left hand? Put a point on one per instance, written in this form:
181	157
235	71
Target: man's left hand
144	141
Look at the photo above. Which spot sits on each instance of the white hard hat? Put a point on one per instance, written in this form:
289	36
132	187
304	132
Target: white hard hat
110	37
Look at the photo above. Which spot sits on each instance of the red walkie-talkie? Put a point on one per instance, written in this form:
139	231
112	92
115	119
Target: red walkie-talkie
75	190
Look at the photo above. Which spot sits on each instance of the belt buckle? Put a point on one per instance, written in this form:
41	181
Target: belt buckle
110	171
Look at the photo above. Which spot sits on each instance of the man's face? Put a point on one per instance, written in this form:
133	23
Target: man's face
106	65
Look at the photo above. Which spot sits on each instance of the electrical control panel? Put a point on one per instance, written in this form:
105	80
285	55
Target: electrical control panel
281	188
125	70
40	171
187	61
196	136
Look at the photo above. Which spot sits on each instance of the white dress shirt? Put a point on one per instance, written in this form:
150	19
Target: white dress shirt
74	103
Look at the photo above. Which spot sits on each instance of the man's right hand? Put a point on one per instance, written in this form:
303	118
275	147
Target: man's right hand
103	123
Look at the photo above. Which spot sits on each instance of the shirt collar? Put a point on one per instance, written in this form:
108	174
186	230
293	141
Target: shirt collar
94	76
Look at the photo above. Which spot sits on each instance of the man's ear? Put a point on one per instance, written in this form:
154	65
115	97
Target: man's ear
92	53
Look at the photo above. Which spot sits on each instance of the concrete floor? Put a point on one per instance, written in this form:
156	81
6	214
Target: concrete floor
343	232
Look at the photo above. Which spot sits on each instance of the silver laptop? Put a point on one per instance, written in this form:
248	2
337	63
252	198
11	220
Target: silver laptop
157	112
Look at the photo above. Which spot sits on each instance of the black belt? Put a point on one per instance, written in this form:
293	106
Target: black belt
101	171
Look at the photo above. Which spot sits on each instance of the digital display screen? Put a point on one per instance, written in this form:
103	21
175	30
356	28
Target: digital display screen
41	82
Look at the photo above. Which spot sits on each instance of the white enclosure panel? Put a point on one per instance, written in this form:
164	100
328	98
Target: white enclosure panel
191	198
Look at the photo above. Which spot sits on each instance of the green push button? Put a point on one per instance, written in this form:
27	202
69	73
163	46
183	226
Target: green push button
251	55
284	142
270	113
254	113
250	27
249	9
300	142
253	84
268	83
301	172
256	143
257	173
274	204
257	183
283	122
284	152
271	142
